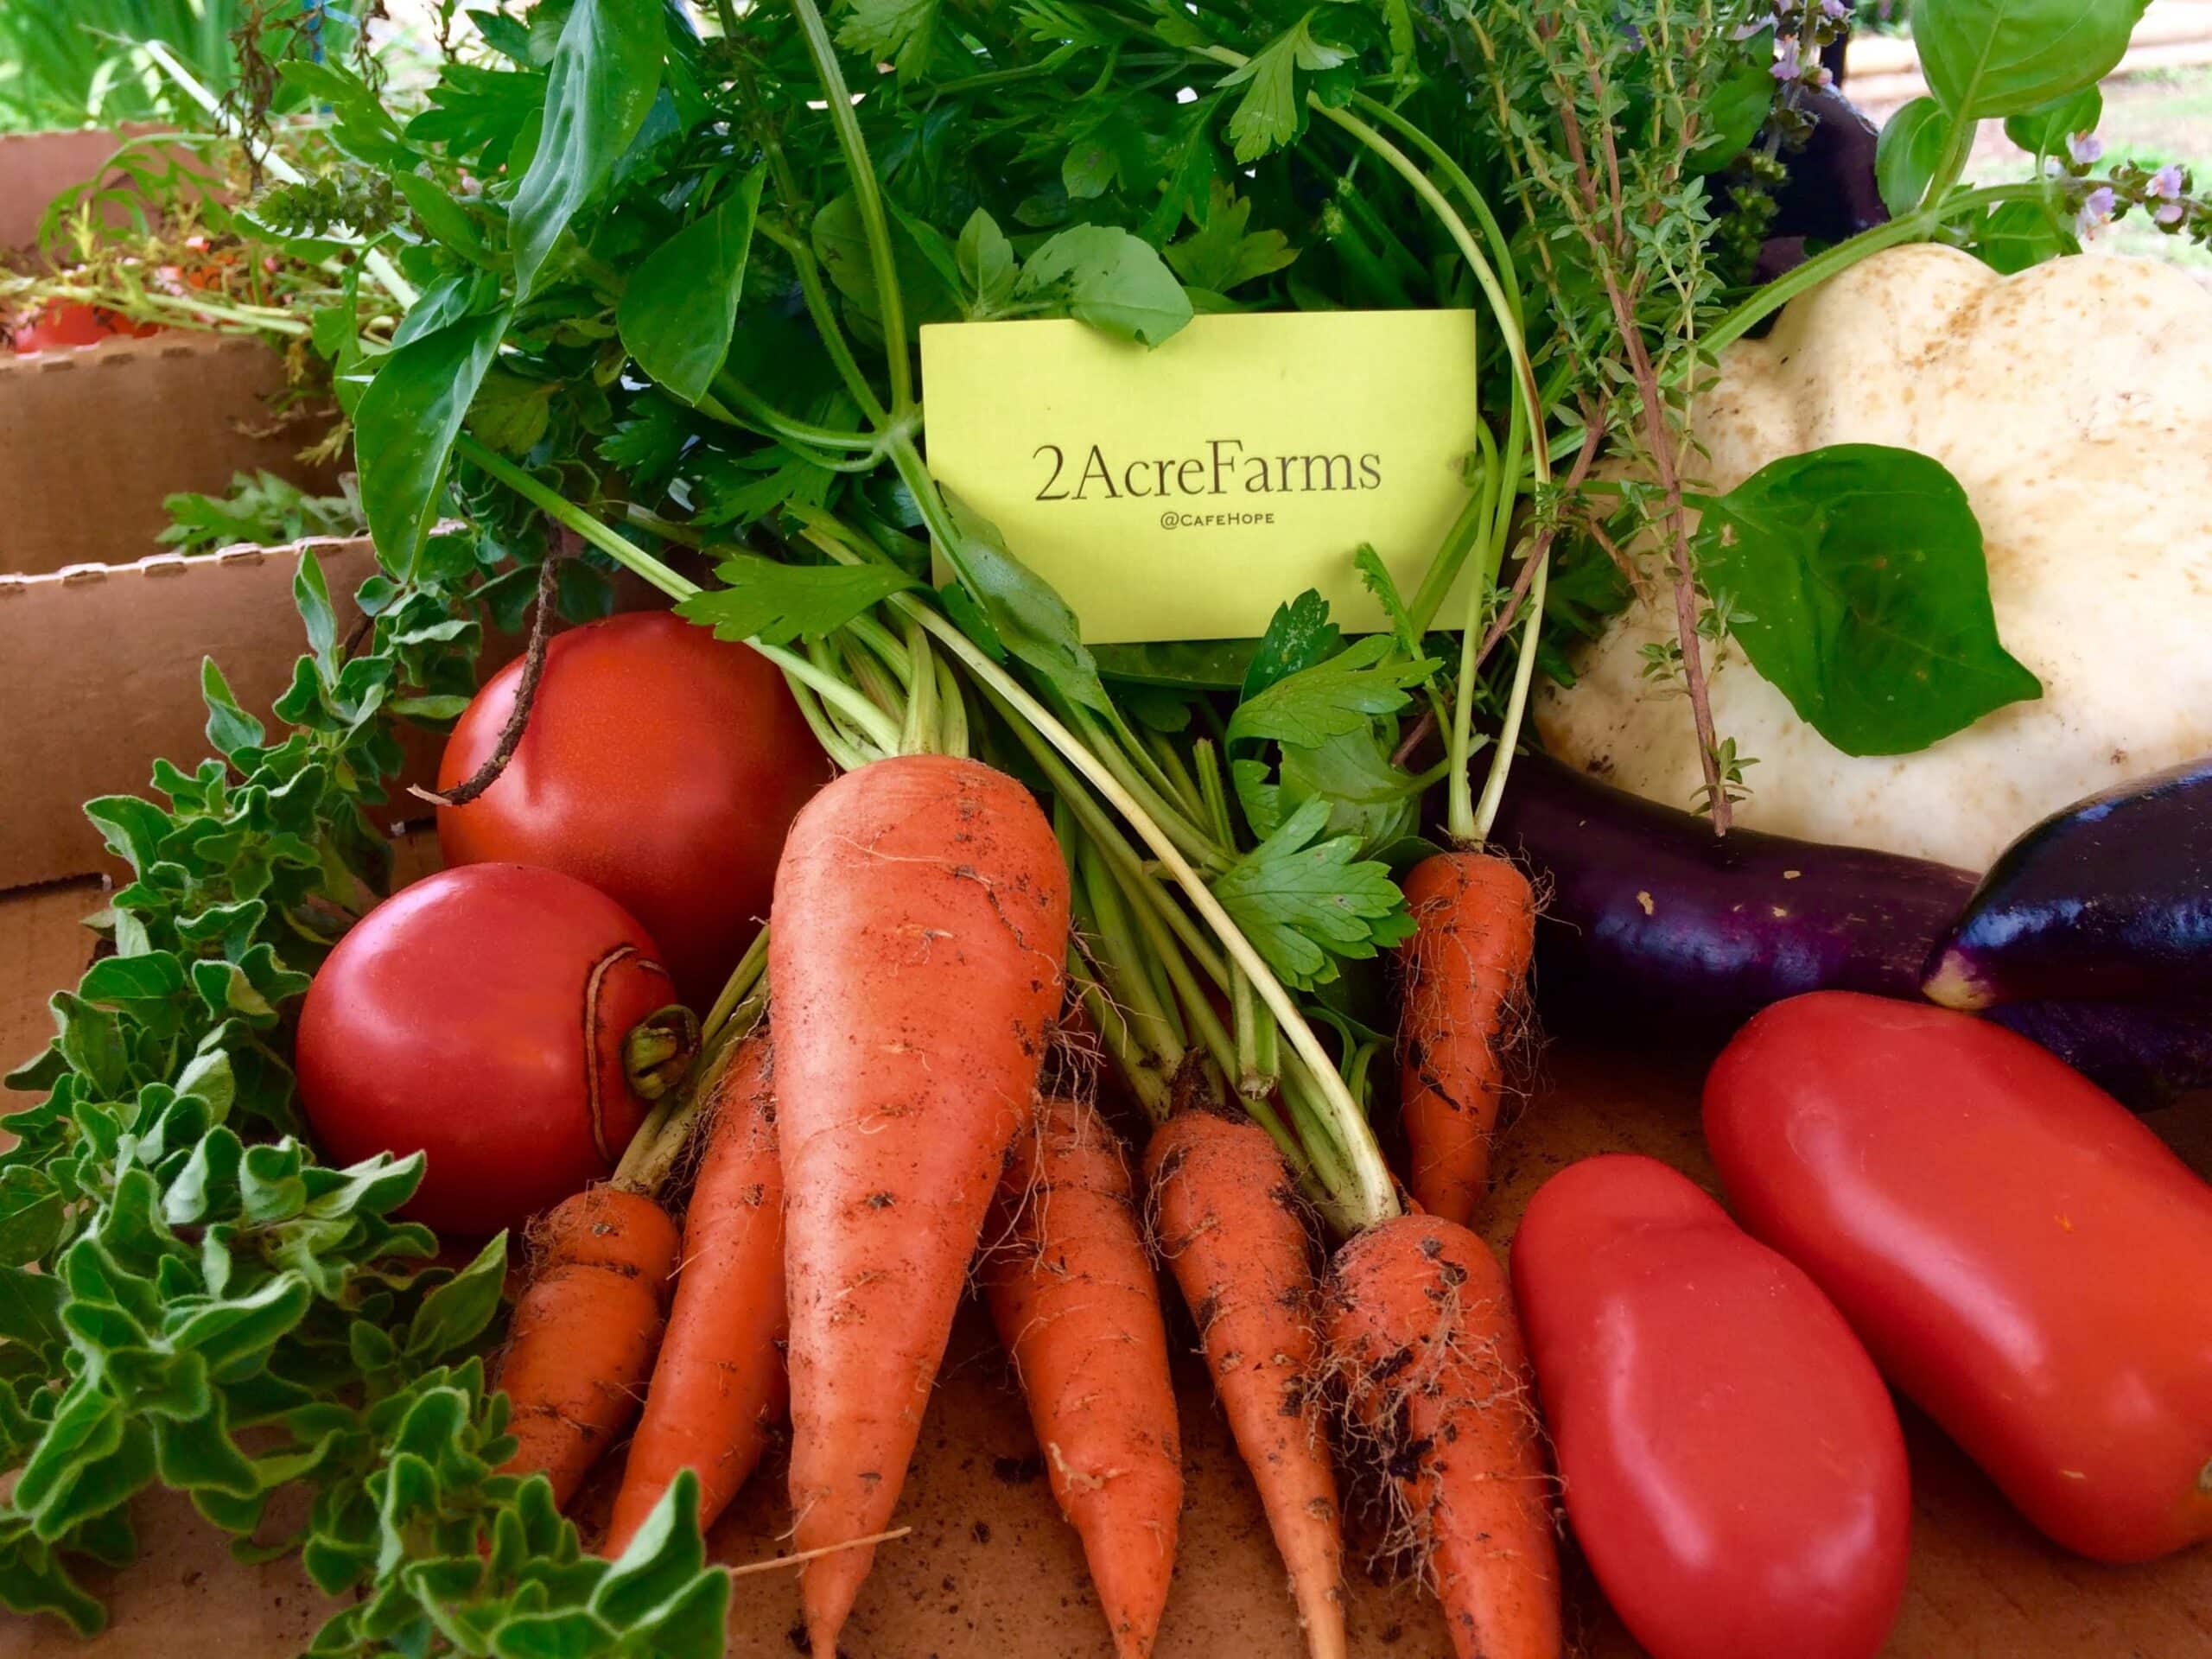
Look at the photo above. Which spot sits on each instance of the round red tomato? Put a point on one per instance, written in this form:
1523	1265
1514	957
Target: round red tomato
661	765
479	1016
1733	1466
61	325
2022	1257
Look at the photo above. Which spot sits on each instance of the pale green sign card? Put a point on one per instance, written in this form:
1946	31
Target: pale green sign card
1184	492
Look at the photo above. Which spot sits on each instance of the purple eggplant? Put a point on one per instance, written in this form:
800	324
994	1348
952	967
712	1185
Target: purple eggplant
2141	1055
2107	901
1648	911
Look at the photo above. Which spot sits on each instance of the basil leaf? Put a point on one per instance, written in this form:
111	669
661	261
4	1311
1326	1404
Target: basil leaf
2004	57
1864	595
1909	151
1024	613
603	78
404	426
2018	235
679	310
1115	281
2044	129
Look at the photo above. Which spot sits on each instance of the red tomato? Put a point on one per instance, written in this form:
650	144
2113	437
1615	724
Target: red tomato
2022	1257
62	324
479	1016
660	765
1733	1465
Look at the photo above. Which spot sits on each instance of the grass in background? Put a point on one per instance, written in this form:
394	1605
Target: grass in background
74	63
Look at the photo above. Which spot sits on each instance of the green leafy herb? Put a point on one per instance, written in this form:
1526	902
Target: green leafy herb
1335	697
260	508
1909	151
775	603
1271	113
1306	903
1220	254
679	310
1987	57
1862	572
1110	279
600	86
405	425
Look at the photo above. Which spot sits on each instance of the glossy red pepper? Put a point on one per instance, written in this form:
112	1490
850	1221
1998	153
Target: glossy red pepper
2022	1257
1733	1465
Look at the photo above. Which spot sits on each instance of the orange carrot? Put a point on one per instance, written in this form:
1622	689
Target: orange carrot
1465	967
584	1331
914	960
1422	1326
1225	1215
1073	1296
718	1390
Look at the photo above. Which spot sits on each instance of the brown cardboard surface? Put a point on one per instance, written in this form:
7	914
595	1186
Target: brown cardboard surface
100	674
990	1571
92	440
36	167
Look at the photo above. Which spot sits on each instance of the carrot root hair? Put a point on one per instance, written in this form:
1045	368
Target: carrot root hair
1426	1352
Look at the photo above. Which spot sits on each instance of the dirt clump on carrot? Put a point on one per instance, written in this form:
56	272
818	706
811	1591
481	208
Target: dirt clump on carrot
1424	1343
1071	1293
914	969
719	1390
1465	974
1227	1219
585	1330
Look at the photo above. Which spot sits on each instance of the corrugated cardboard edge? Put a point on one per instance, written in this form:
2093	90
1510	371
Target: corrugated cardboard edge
99	676
91	441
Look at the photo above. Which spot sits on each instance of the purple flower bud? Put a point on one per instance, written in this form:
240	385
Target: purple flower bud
1835	8
2096	210
2166	183
1787	65
2086	148
2172	213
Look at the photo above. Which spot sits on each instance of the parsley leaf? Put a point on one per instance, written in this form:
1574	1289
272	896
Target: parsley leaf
1219	255
1332	698
1271	113
260	508
1304	904
777	603
901	33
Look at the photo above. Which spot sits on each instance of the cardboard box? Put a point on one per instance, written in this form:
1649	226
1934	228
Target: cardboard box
99	675
991	1571
92	440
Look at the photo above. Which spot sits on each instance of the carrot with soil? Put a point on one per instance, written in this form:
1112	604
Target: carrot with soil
1072	1294
1466	968
719	1388
914	966
1226	1218
585	1331
1422	1326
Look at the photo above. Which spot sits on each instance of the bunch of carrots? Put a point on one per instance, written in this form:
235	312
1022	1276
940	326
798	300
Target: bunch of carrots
868	1111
